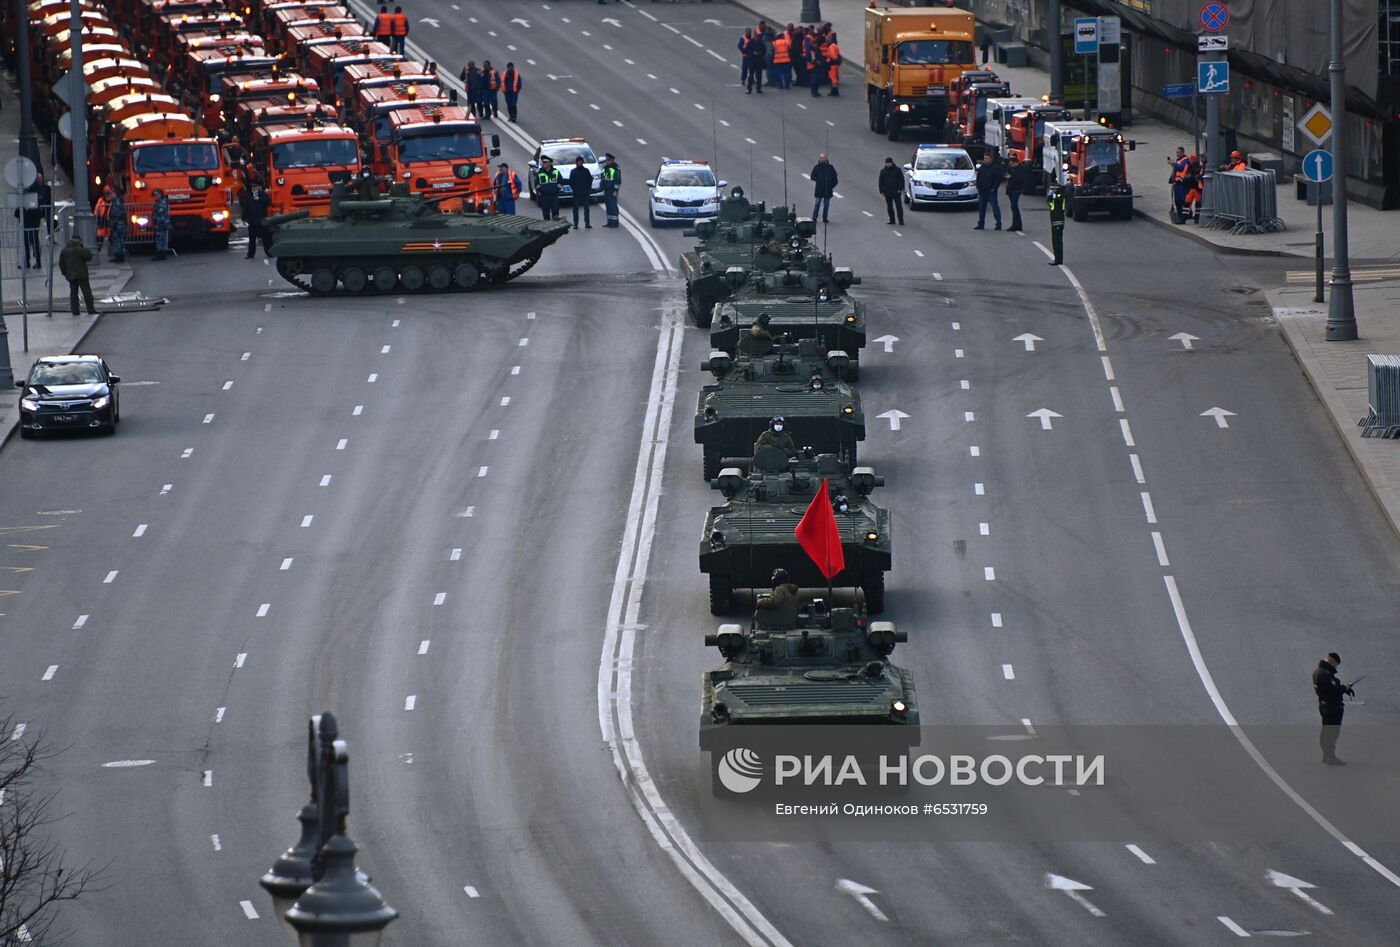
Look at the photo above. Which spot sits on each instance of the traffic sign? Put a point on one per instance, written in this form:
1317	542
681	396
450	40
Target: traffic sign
1110	31
1316	123
1214	16
20	172
1212	77
1212	43
1317	166
1086	35
1178	90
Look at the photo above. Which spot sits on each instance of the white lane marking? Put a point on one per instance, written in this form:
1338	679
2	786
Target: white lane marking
958	353
867	213
651	76
979	489
340	444
505	400
969	416
1026	722
423	646
989	573
1147	507
439	598
286	564
918	253
1220	414
188	452
996	619
617	123
530	314
359	410
1107	369
673	30
965	384
1117	399
780	159
471	892
495	433
219	715
166	488
111	577
1008	672
373	377
698	106
325	480
1161	548
215	840
394	324
862	895
750	141
409	701
114	764
975	451
1143	857
984	529
228	385
938	276
715	54
209	419
245	356
1127	432
1232	927
481	471
696	43
82	620
455	556
140	531
18	731
646	14
594	107
1137	468
208	779
248	910
267	307
1295	887
385	350
240	659
469	511
1072	888
799	104
675	91
306	520
629	62
641	141
957	326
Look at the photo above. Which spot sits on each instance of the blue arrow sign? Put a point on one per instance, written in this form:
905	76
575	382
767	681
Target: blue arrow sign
1086	36
1178	90
1213	76
1317	166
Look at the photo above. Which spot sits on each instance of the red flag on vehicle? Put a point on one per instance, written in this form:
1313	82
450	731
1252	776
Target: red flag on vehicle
818	536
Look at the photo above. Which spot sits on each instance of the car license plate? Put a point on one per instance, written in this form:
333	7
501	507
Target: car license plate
688	210
64	418
947	193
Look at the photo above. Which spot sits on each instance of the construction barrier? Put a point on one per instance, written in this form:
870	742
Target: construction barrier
1244	202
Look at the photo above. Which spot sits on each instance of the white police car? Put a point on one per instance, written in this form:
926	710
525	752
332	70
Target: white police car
940	174
683	190
563	152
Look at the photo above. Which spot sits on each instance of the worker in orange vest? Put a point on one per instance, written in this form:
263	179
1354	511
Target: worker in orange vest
780	72
831	52
384	26
398	31
1236	162
100	213
490	85
510	85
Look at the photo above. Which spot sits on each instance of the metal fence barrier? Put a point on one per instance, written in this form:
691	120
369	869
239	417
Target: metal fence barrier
1244	202
1383	397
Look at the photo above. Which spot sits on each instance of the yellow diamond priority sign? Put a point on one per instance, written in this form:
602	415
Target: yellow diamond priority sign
1316	123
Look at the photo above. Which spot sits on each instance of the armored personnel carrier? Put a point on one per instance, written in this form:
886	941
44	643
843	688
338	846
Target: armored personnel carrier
808	302
751	533
747	237
807	661
402	243
820	409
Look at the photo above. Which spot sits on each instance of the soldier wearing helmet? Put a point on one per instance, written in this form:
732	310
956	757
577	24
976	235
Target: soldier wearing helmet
784	594
776	436
759	328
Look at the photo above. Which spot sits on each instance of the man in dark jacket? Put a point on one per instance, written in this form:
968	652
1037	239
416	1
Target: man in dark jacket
255	204
1018	177
581	187
892	189
989	176
783	596
823	186
73	264
474	82
1329	692
775	436
758	60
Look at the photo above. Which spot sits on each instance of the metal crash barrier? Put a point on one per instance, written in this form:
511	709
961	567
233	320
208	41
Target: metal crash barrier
1244	202
1383	397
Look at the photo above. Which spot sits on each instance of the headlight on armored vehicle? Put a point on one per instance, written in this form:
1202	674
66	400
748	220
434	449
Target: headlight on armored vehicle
898	707
848	410
872	537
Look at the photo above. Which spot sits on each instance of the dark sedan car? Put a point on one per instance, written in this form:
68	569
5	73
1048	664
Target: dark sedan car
69	392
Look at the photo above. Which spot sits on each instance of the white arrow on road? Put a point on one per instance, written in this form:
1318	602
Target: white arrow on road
1029	339
714	22
889	341
524	23
1295	886
608	19
1185	338
1072	888
430	21
895	415
1045	414
1220	414
862	895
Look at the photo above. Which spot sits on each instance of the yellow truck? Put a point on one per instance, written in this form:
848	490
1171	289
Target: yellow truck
912	54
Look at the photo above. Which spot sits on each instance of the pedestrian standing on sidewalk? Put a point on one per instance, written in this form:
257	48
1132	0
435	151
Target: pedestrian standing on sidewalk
1055	200
160	221
73	264
989	175
823	187
116	243
892	189
1018	176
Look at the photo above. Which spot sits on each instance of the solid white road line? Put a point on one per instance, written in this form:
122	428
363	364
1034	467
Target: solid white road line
1142	856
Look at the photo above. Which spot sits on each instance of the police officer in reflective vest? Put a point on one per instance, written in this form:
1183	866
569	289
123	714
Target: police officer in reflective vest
612	181
1055	199
547	189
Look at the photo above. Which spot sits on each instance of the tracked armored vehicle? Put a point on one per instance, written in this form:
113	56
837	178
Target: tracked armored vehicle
401	243
808	302
747	237
820	409
751	533
807	661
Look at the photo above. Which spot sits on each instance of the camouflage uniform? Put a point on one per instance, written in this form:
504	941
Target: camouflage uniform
779	439
160	220
116	238
782	595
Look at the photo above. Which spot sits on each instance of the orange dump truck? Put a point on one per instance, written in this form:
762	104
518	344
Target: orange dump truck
299	165
169	152
911	55
438	151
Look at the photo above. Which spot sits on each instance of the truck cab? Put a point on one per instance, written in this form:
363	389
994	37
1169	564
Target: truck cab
1091	163
998	114
169	152
911	55
300	165
438	151
373	107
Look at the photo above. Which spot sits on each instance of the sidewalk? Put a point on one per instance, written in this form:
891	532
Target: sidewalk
1336	370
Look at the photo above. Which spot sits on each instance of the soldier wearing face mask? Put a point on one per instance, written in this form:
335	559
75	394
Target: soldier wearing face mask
776	436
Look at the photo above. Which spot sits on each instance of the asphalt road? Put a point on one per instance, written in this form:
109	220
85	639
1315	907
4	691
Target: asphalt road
500	598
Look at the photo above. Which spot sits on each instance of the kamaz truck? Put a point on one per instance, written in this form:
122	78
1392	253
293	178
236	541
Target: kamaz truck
911	56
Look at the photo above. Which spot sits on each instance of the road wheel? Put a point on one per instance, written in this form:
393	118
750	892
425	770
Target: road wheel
412	278
25	433
288	267
219	241
385	278
721	595
874	588
466	276
892	128
878	126
354	279
713	457
704	311
322	280
1081	210
439	277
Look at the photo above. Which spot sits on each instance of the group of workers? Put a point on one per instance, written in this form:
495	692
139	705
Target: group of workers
391	29
796	55
1187	182
487	84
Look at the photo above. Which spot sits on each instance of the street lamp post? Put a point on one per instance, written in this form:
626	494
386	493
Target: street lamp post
1341	314
317	892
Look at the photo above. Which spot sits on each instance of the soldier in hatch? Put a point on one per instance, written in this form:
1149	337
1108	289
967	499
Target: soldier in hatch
784	593
776	436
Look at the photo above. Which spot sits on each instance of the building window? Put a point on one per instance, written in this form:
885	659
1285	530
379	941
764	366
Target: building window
1388	37
1145	6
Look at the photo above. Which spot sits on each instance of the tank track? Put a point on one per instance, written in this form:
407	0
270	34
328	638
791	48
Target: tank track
295	271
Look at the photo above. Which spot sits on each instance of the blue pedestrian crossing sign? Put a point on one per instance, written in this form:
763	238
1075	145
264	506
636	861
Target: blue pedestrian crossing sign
1317	166
1213	76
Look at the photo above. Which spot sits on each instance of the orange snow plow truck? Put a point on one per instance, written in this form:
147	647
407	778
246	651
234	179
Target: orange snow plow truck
911	55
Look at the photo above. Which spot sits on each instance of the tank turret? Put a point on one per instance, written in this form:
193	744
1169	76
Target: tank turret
809	300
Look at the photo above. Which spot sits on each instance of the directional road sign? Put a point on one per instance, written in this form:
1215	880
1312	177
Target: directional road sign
1178	90
1212	43
1086	36
1316	123
1212	77
1317	166
1214	16
20	172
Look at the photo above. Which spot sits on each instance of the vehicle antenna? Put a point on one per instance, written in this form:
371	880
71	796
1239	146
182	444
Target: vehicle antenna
785	189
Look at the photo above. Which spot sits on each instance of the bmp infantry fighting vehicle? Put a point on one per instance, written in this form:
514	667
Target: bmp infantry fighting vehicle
810	303
819	409
403	243
751	534
743	237
807	661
